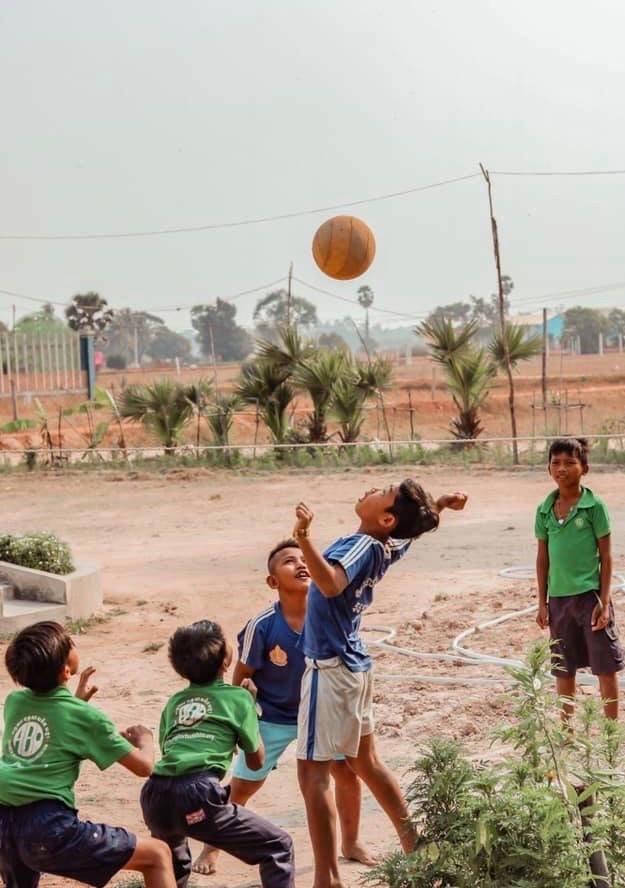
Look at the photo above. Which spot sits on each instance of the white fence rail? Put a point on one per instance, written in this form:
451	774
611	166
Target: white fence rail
40	363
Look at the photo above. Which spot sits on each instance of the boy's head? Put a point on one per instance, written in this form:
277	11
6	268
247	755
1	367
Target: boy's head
200	652
287	570
404	512
42	657
568	459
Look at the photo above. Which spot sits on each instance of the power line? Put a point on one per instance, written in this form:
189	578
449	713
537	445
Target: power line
557	172
239	223
399	314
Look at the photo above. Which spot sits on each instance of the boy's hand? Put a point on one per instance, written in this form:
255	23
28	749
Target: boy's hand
542	617
600	617
303	519
138	735
85	691
250	687
456	501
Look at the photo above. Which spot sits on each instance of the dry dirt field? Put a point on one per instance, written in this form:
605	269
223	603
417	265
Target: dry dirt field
178	547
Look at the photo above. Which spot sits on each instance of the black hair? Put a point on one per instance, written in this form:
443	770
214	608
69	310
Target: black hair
576	447
284	544
414	510
197	651
37	654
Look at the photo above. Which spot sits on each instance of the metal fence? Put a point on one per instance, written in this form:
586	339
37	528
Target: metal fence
40	363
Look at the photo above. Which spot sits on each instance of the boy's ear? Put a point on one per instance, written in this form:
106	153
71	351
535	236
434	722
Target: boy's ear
65	673
388	521
585	470
271	582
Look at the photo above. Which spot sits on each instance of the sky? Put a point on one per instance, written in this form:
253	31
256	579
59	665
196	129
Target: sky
136	115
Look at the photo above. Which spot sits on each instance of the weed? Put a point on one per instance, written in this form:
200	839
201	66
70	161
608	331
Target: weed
152	647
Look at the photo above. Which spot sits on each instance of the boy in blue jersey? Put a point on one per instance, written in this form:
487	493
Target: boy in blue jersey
336	706
270	655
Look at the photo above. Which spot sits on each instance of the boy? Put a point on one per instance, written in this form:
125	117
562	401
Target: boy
270	655
335	714
200	729
574	570
47	734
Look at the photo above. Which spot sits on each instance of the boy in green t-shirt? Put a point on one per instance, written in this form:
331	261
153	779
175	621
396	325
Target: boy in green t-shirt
47	733
201	726
574	570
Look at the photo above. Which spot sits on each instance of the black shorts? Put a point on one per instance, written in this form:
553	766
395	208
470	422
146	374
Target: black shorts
48	837
575	644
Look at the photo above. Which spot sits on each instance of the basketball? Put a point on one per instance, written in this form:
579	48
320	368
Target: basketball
343	247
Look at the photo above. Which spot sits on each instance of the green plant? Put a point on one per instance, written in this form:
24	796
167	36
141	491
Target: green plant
162	407
40	551
220	417
318	376
264	384
519	822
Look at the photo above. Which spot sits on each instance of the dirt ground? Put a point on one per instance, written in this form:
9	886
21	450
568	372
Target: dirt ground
188	545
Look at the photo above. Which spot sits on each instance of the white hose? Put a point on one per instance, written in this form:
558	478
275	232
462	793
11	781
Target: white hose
466	656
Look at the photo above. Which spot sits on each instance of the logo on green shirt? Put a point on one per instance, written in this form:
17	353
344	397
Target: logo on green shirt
30	737
192	711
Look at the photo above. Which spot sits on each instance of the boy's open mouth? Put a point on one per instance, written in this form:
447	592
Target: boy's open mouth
302	574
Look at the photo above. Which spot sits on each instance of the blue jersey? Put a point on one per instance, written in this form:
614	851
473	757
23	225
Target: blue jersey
332	627
268	645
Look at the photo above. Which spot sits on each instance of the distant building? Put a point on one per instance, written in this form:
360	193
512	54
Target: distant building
534	324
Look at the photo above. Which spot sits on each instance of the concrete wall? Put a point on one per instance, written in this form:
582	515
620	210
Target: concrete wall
80	591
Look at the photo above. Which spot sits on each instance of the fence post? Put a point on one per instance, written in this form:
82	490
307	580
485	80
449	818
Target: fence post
87	362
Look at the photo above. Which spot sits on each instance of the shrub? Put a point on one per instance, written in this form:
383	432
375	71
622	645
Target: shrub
40	551
116	362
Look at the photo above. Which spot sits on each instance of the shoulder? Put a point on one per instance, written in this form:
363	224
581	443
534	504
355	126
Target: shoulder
547	504
236	697
257	625
354	547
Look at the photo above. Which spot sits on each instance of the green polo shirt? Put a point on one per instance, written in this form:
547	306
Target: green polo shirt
573	551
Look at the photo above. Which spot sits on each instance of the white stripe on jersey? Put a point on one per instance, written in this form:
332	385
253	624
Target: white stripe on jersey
357	551
250	629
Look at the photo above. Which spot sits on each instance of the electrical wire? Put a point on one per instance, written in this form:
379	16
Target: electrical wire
355	302
556	172
239	223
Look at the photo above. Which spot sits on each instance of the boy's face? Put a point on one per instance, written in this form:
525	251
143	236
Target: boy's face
289	572
71	667
566	469
372	508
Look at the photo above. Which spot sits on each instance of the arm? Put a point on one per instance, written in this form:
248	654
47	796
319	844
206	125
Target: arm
455	501
241	672
255	760
330	579
601	612
542	572
141	760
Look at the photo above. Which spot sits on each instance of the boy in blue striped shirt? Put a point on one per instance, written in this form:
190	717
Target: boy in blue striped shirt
336	706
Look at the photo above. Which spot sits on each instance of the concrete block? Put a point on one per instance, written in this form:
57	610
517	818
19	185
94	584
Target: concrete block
80	591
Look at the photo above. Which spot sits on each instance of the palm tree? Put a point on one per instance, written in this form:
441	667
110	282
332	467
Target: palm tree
521	345
469	371
162	407
266	386
221	417
365	298
318	377
197	394
88	313
290	350
348	408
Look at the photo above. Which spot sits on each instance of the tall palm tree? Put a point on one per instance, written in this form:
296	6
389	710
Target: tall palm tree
197	394
365	299
162	407
266	386
88	313
220	417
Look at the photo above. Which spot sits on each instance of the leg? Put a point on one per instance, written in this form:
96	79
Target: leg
248	837
241	791
348	797
386	790
314	781
608	686
565	689
153	859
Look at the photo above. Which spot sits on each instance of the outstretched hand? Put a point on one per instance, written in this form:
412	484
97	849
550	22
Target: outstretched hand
138	735
303	519
456	501
250	687
84	690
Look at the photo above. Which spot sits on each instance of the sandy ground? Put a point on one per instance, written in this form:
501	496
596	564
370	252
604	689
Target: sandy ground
179	547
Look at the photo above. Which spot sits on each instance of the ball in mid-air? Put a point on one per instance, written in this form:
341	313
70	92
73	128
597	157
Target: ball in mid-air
344	247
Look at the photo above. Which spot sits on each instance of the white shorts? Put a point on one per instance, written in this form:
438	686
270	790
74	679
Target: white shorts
335	710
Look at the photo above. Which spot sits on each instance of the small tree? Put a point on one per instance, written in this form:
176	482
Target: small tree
365	298
220	418
131	332
266	386
272	313
585	324
88	313
162	407
318	377
166	345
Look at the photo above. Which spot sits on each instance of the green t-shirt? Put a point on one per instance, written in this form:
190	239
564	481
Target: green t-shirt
573	551
201	727
46	737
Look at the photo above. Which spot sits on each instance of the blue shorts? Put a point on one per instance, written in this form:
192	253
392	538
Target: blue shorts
48	837
276	738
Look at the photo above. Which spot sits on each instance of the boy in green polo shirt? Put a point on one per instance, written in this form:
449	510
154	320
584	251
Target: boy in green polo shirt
48	731
201	726
574	570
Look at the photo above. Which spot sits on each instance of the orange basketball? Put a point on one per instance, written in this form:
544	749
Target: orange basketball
344	247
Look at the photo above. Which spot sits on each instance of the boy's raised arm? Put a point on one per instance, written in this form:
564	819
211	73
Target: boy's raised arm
455	501
330	579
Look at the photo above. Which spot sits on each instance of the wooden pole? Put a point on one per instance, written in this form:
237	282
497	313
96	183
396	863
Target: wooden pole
545	347
289	297
502	318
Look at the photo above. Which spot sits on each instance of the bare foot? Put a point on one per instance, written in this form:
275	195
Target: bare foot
206	864
358	852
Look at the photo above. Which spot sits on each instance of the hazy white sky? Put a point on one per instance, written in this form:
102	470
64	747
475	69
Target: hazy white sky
143	114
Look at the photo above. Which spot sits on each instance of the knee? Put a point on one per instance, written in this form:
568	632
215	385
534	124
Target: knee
286	843
159	854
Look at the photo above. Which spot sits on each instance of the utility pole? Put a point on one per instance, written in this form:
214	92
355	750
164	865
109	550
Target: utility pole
502	318
545	350
136	345
289	303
